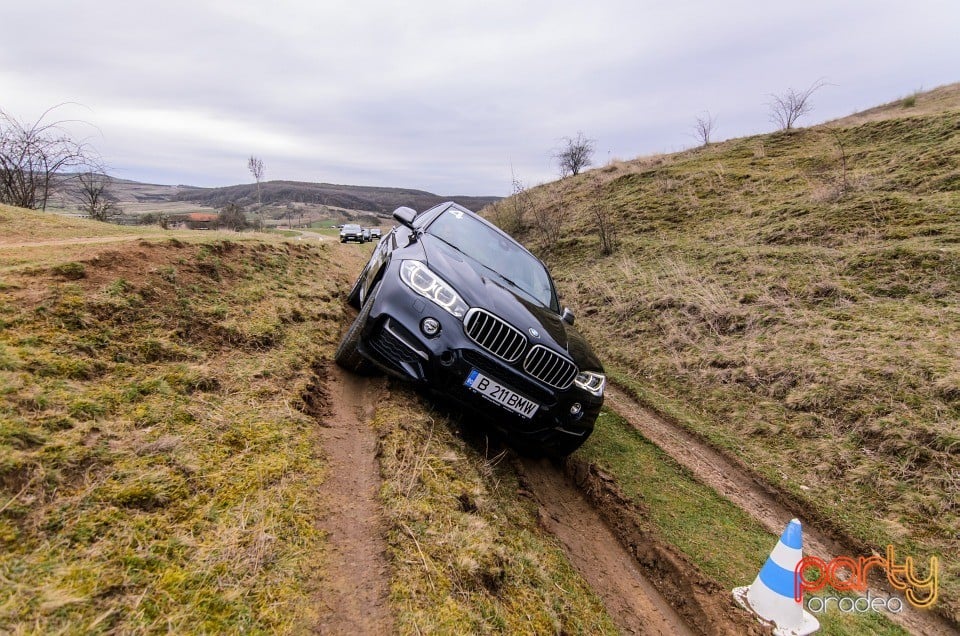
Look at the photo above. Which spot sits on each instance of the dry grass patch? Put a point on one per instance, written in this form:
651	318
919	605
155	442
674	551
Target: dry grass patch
467	552
154	474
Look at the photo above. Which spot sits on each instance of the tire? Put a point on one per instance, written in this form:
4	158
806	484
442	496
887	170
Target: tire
353	298
348	355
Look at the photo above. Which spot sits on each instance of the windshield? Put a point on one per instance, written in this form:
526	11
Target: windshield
511	263
351	228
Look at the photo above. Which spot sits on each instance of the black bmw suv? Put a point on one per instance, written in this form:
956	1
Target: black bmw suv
451	301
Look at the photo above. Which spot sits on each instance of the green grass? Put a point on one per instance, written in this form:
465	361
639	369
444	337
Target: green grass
153	474
798	312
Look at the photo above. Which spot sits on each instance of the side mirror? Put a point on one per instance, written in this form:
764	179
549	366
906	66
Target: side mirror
405	215
567	316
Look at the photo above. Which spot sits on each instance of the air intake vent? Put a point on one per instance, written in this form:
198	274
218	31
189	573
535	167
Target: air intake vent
550	368
494	335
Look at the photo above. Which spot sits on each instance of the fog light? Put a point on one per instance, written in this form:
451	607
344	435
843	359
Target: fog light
430	327
576	409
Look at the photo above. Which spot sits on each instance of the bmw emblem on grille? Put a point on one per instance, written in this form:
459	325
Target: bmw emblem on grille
533	332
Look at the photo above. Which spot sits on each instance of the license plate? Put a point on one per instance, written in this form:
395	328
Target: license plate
496	392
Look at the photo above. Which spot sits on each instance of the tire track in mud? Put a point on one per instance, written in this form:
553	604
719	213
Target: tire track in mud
356	576
771	507
632	601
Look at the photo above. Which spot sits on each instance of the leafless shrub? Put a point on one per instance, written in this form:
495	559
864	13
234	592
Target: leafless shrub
575	154
602	213
786	108
94	197
548	219
511	214
843	160
703	128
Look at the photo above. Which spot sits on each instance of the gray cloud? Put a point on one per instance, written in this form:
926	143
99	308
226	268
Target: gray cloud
446	96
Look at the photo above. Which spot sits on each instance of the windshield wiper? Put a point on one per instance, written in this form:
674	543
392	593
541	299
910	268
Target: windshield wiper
512	284
446	242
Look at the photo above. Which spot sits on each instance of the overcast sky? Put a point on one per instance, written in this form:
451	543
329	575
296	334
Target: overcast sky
446	96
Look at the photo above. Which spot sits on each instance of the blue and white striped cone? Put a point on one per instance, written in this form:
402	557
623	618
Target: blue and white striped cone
771	595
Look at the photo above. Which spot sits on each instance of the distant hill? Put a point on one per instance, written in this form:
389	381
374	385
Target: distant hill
365	198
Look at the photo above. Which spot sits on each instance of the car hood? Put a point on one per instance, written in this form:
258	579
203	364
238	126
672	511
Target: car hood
479	287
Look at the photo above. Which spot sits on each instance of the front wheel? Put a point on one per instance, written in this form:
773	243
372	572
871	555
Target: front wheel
348	354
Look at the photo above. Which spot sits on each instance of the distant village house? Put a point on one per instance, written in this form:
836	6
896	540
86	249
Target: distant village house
199	221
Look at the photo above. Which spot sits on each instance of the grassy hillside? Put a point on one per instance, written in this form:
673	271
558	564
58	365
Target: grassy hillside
795	299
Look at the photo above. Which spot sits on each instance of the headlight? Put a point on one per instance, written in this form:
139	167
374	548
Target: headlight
591	382
420	279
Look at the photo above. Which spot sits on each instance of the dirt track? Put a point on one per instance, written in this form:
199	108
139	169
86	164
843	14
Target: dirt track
72	241
736	484
356	577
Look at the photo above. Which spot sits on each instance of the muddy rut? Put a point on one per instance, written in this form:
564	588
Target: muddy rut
355	587
632	601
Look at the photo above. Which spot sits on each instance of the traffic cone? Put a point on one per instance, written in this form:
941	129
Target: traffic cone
770	597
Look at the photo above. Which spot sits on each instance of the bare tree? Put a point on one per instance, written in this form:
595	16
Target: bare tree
703	129
575	154
94	196
32	158
786	108
255	166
